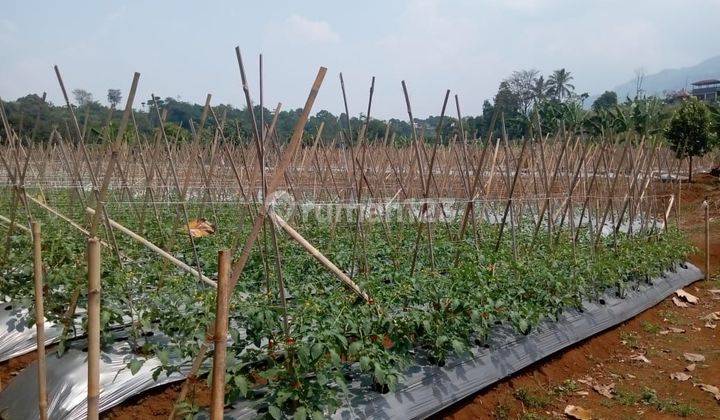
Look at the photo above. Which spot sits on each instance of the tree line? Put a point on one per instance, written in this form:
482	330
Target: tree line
526	103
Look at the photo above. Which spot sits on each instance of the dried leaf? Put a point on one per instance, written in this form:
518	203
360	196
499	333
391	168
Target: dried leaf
579	413
200	228
711	389
694	357
640	358
715	293
605	390
582	393
690	367
680	376
713	316
586	380
676	330
710	325
672	330
679	303
686	296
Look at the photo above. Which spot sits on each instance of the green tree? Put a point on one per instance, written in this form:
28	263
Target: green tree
82	97
606	101
114	97
560	85
690	131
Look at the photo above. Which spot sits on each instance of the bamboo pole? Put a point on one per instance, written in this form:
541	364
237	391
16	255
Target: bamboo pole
94	264
287	156
706	208
156	249
220	337
39	321
319	256
15	224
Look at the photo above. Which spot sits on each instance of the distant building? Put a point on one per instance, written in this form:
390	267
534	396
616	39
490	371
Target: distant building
706	90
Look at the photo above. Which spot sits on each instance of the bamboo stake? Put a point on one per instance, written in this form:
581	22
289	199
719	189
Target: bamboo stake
706	208
156	249
94	264
15	224
287	156
39	321
220	337
319	256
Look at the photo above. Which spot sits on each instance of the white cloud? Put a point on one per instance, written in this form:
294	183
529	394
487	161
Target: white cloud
317	31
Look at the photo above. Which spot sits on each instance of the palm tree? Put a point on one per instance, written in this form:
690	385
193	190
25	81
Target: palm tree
540	89
559	83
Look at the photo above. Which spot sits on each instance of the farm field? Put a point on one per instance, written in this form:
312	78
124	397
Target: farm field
181	274
605	358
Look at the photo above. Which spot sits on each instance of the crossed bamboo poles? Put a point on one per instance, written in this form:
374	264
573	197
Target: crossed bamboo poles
542	181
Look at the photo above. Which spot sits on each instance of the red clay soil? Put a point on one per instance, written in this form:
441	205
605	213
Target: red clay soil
10	368
543	390
157	403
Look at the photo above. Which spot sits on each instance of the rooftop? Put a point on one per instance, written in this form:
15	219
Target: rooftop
706	82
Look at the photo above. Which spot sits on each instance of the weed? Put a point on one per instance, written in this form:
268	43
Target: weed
649	397
567	387
650	328
531	399
670	316
625	397
501	412
533	416
630	339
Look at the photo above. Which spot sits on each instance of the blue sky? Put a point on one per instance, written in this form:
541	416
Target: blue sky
185	49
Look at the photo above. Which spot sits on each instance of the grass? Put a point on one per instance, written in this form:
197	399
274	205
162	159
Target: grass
670	316
649	397
501	412
630	339
532	399
568	387
650	328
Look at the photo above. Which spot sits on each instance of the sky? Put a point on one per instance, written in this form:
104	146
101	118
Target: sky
185	49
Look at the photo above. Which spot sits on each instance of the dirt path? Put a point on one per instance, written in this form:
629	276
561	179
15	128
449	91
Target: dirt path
642	390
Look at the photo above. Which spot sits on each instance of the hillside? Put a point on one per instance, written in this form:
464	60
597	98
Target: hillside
673	79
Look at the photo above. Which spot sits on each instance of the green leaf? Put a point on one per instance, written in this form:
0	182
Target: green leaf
322	379
316	350
364	363
135	365
355	347
275	412
242	384
379	374
300	413
458	346
334	358
163	356
523	326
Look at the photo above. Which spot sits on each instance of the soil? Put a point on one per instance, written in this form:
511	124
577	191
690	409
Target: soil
157	403
10	368
543	390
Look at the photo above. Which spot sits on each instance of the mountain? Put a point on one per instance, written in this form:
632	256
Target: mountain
672	79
